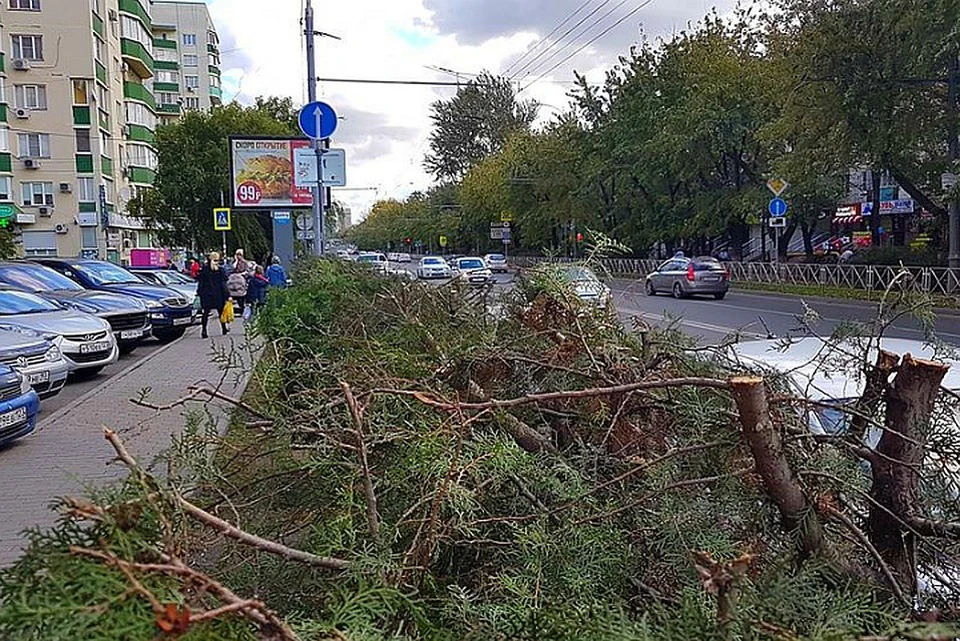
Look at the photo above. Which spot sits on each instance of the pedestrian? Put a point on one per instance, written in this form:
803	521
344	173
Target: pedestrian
257	289
237	287
846	256
276	274
678	253
239	262
724	255
194	269
212	290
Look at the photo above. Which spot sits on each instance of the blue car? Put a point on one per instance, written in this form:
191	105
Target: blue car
170	312
19	405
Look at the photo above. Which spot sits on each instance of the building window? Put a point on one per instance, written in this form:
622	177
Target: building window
80	95
215	81
83	141
95	5
141	156
167	76
98	47
39	243
86	192
190	60
191	82
88	237
165	55
108	189
105	146
166	98
32	97
191	102
103	95
139	114
133	29
189	39
25	5
33	145
36	194
4	139
213	60
6	182
213	38
29	47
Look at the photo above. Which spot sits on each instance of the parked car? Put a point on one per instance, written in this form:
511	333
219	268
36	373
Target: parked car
433	267
170	312
497	263
473	271
35	357
19	405
586	286
685	277
86	341
127	315
404	257
171	279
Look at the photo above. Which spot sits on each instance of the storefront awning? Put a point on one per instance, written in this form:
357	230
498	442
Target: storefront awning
847	219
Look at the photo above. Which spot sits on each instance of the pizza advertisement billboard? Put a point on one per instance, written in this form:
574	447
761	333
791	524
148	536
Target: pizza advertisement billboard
262	173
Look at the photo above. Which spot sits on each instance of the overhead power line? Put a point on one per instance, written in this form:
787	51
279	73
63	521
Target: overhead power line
576	39
594	39
546	37
415	83
560	39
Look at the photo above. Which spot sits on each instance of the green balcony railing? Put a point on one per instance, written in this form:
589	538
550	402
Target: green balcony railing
141	175
169	87
142	134
137	57
84	163
6	162
106	165
101	71
165	43
134	8
168	65
216	92
168	109
136	91
98	26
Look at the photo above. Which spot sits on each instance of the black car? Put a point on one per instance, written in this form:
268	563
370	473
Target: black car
170	312
127	315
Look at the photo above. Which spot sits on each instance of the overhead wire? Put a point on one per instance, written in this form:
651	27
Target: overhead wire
545	38
590	42
561	38
576	39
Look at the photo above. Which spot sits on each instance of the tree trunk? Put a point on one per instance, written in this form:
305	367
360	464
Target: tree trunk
910	401
785	238
807	231
875	387
772	465
875	203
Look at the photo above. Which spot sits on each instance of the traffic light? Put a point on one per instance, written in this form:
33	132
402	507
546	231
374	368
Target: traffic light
409	241
579	237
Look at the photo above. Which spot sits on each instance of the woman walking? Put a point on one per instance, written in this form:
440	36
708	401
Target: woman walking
212	290
237	286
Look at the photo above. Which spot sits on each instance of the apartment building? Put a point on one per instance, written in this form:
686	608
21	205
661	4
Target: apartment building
187	55
78	116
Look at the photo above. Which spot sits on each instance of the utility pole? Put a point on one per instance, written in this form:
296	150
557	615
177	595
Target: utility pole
953	258
318	191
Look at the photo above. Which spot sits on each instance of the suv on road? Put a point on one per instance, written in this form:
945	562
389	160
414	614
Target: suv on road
170	312
127	315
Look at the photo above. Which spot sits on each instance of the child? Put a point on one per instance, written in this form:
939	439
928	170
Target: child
257	289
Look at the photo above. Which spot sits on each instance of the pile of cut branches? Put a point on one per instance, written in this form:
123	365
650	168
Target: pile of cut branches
427	462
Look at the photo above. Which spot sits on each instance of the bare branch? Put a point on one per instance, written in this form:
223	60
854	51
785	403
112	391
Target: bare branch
373	518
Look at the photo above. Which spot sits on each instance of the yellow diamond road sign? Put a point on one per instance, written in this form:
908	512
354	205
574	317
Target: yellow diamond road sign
777	185
506	217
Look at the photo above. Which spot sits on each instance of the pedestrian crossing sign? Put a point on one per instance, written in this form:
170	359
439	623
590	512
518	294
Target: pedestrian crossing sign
221	219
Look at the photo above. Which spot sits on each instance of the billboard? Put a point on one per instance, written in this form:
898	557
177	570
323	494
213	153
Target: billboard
262	173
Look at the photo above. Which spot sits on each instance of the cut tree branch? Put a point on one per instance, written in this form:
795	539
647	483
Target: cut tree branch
373	517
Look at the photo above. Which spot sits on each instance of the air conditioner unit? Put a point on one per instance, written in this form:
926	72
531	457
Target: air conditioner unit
21	113
45	211
31	163
21	64
48	199
65	188
61	229
112	15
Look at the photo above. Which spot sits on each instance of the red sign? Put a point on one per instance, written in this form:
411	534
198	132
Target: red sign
249	193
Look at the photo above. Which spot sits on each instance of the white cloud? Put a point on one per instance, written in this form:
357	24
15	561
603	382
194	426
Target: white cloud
385	128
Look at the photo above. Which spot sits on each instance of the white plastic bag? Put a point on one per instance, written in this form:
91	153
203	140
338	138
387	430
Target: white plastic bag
247	312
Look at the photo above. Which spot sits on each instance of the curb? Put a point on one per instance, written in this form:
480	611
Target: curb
99	388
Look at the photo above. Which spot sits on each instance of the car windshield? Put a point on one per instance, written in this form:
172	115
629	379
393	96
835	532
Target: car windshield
496	257
432	261
14	303
706	264
36	278
105	274
170	278
580	275
472	263
370	258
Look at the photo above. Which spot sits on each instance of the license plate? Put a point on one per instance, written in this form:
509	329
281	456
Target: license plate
38	378
711	279
18	415
131	333
181	321
90	348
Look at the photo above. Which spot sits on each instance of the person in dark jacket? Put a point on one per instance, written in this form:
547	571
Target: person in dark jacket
257	289
212	290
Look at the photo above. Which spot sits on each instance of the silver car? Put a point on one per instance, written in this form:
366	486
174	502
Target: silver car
497	263
35	357
685	277
586	286
180	283
85	341
473	271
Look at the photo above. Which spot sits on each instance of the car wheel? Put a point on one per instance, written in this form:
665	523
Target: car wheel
720	296
87	372
128	348
168	336
651	290
678	291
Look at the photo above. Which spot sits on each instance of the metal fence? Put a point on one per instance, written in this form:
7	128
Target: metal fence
941	281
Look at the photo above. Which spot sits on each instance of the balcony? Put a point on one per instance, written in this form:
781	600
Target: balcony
135	9
141	175
136	91
137	57
167	87
166	65
216	93
140	133
169	109
164	43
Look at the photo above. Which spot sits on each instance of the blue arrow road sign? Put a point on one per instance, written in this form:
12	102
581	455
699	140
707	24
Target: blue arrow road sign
778	208
318	120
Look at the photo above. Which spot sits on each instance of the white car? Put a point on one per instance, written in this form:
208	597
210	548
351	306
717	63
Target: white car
404	257
433	267
497	263
473	271
586	286
376	260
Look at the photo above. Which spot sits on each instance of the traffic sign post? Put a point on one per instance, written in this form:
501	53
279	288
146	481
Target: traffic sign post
777	186
778	208
318	120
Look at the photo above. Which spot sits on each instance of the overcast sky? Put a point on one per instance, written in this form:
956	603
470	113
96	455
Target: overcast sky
385	128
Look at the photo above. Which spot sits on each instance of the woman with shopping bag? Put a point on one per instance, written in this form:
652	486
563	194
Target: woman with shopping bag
212	290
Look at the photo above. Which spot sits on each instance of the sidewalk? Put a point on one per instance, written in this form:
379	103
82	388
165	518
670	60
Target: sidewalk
68	450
